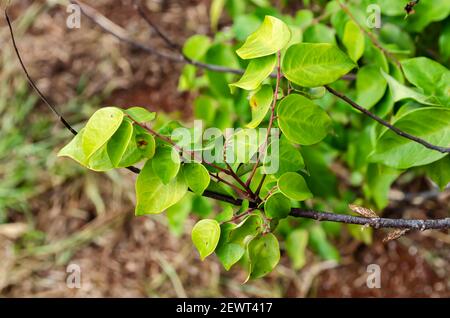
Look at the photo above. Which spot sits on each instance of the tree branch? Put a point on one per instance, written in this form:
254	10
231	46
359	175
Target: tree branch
416	224
386	124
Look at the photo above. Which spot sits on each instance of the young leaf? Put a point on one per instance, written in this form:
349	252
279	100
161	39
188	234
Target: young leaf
215	12
118	143
439	172
430	124
139	114
152	195
353	40
315	64
264	254
260	104
205	235
379	180
196	46
319	33
166	163
248	228
400	92
293	186
177	215
229	253
302	121
296	243
243	145
370	86
289	158
277	206
74	150
197	177
271	37
430	76
257	71
145	143
100	128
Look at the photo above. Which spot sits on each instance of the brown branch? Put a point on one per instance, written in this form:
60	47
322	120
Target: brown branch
386	124
414	224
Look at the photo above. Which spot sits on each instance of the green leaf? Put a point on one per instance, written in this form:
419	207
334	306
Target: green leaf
430	124
250	227
439	172
145	143
303	18
260	104
289	158
139	114
353	40
264	254
427	12
206	235
294	186
243	145
100	160
244	25
177	215
315	64
271	37
257	71
100	128
202	206
74	150
197	177
444	42
166	163
296	243
205	108
229	253
400	92
226	215
302	121
378	183
430	76
153	196
319	33
196	46
118	143
370	86
215	12
319	243
277	206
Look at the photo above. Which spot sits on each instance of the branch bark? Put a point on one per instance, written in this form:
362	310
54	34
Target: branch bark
386	124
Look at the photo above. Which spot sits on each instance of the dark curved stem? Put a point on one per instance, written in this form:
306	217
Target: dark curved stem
415	224
38	91
386	124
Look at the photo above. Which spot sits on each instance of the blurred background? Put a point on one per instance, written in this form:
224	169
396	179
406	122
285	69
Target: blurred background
54	213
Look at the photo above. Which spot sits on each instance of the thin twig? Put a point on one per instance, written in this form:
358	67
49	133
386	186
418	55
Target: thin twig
38	91
376	223
31	82
386	124
372	38
144	14
272	116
